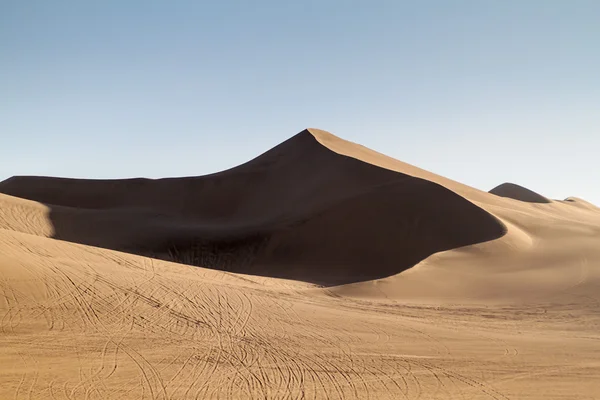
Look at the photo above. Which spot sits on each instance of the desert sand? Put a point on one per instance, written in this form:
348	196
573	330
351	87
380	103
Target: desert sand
319	270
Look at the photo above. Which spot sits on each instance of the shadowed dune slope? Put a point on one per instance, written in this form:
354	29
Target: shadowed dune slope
299	211
517	192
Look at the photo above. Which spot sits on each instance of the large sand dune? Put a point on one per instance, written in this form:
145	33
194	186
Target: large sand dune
298	211
399	284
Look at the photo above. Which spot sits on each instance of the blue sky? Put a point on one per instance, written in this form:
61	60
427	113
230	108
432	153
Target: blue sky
482	92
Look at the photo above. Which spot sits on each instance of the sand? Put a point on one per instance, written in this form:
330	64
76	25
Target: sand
320	269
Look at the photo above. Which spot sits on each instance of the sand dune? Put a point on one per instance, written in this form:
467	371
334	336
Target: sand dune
400	283
299	211
517	192
581	203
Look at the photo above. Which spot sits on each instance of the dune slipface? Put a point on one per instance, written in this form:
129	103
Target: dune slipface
299	211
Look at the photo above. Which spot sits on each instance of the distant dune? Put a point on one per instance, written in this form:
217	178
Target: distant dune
581	203
517	192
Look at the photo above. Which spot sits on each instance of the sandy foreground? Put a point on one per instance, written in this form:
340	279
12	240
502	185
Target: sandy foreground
355	276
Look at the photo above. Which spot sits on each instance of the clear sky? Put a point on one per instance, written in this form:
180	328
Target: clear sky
479	91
